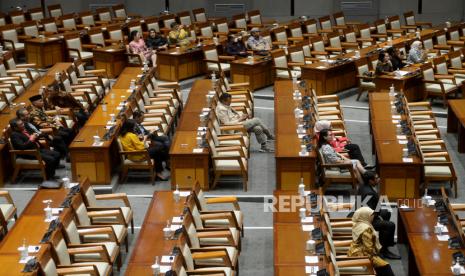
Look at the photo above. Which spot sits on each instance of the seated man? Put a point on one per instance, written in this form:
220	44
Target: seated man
256	42
41	120
160	143
381	221
228	116
56	141
22	140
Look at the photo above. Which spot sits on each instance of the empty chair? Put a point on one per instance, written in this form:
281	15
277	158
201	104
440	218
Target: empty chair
68	21
214	61
55	10
17	17
411	21
434	87
10	39
200	15
36	13
184	18
281	66
365	76
78	50
104	14
8	209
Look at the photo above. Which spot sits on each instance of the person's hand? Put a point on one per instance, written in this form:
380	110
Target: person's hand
34	137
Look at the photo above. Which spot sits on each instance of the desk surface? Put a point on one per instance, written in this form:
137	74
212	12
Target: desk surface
150	242
458	107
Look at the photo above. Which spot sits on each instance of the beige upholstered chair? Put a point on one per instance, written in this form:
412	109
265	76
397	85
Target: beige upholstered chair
216	63
78	50
55	10
146	163
282	67
365	82
10	39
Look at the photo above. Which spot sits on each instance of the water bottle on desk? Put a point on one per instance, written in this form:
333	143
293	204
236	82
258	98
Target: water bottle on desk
156	267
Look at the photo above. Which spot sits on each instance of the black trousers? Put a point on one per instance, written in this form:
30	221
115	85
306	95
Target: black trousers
159	156
385	228
52	160
67	134
59	145
384	271
81	117
355	153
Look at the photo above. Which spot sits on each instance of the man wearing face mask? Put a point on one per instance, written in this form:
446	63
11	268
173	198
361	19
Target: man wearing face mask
236	47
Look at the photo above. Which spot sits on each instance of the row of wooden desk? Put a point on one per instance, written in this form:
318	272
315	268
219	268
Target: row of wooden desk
188	166
150	241
97	162
290	239
290	165
399	179
10	112
456	122
30	226
427	255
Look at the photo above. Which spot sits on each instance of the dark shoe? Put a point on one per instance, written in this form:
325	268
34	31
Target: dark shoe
370	167
61	166
158	178
385	253
271	138
265	149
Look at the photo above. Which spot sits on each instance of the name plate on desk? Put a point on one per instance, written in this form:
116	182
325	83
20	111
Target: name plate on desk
197	150
407	160
311	259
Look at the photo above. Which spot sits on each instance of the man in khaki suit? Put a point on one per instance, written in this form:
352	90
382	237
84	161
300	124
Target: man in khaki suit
228	116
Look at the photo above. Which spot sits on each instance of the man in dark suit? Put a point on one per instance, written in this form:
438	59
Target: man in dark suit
381	221
160	143
22	140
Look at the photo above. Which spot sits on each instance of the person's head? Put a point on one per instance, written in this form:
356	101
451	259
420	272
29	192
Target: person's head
325	137
152	33
392	51
128	126
225	99
363	215
320	125
37	101
138	116
383	57
22	114
417	45
17	124
174	26
255	32
134	36
371	178
231	38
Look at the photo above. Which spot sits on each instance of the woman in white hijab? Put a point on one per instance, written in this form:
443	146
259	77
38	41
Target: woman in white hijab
416	53
365	241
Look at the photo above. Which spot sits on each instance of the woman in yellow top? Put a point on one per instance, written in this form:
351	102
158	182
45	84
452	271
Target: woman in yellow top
131	142
178	35
365	241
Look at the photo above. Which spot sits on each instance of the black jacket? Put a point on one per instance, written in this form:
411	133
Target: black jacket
21	142
366	190
156	42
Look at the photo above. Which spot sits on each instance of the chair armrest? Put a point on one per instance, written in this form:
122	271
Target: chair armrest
121	196
7	196
221	200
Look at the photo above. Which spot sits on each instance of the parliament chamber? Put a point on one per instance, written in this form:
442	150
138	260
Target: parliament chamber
256	137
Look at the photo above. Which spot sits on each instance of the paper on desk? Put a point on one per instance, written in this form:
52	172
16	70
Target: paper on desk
395	121
99	144
23	261
33	248
197	150
176	220
175	227
306	193
165	268
166	259
307	227
402	142
462	270
184	194
56	211
306	154
311	259
407	160
395	117
443	237
51	219
307	220
311	269
401	137
401	73
71	185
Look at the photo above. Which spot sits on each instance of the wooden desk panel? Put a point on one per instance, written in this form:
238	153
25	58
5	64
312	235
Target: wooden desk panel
456	122
331	79
290	166
176	66
111	58
399	179
258	74
412	86
44	52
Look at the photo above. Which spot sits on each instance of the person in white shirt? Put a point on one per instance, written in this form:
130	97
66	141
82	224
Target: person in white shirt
228	116
256	42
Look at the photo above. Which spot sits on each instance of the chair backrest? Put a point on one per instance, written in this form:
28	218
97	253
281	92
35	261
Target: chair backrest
206	31
135	25
87	18
296	53
441	65
115	32
318	44
9	32
428	72
96	36
409	18
210	52
280	34
295	29
428	43
255	17
30	28
339	18
334	40
120	11
362	66
55	10
222	26
365	31
381	26
394	22
36	13
152	22
199	15
49	25
58	243
455	59
2	19
73	41
104	14
17	17
47	265
454	33
279	59
239	21
185	18
441	37
311	26
78	204
70	228
69	21
325	22
350	35
167	19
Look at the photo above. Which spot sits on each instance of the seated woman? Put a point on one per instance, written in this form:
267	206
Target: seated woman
236	46
178	35
416	53
396	58
341	144
137	46
384	65
156	41
331	156
131	142
365	241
